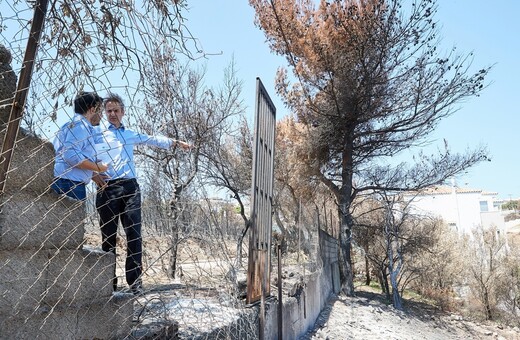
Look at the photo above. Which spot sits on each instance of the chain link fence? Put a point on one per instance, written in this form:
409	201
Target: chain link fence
56	282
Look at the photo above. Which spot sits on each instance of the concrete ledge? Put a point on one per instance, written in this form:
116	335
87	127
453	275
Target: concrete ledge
301	311
53	277
46	222
109	319
79	276
23	280
32	165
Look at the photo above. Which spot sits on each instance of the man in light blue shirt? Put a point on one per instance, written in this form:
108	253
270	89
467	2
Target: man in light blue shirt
75	161
119	199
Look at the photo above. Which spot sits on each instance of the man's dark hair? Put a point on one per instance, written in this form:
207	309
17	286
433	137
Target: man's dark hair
114	98
85	101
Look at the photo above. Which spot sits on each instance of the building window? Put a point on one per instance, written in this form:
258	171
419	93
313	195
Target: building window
484	206
453	225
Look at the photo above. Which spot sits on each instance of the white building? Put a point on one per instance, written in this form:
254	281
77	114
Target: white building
461	208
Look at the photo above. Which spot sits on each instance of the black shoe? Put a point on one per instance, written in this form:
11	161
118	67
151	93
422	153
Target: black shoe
137	289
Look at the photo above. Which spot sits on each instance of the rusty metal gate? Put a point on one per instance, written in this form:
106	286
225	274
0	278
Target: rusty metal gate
259	271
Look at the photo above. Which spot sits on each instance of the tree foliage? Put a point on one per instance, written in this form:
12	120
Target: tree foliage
180	106
293	192
392	239
369	82
440	269
486	267
92	45
510	205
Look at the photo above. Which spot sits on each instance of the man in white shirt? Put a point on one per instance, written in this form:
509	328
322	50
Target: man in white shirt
119	199
76	160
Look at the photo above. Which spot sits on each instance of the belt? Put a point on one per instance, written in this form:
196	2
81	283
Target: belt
121	181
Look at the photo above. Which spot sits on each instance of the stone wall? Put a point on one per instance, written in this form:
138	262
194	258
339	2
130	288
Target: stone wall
51	287
300	311
7	84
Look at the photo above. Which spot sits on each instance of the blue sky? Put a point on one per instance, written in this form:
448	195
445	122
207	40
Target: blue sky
225	30
489	29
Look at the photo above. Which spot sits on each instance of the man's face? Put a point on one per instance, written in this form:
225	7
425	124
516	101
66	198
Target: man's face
114	113
97	112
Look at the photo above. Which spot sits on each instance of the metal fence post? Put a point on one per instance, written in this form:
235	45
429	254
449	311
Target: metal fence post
16	114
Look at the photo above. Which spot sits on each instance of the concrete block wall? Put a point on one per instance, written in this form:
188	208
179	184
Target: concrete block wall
299	313
101	319
47	221
51	287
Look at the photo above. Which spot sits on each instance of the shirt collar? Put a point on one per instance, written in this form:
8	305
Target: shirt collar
79	117
113	127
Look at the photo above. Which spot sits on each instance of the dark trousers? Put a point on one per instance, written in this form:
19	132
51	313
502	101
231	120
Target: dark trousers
70	188
120	201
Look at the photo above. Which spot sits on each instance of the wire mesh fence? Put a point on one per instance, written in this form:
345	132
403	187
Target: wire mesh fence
56	281
62	287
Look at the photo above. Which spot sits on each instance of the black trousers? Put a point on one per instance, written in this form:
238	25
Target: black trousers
120	201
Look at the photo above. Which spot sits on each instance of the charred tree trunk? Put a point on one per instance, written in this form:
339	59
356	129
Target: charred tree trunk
385	287
174	236
346	222
345	246
367	271
487	306
173	249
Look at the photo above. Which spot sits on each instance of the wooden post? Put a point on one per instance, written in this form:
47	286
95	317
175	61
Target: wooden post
16	114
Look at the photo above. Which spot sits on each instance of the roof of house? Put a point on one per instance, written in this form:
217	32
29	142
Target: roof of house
446	190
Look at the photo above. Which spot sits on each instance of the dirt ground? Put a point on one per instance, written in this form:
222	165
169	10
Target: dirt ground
366	316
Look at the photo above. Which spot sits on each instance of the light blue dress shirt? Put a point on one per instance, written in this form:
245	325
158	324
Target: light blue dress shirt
74	143
122	165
